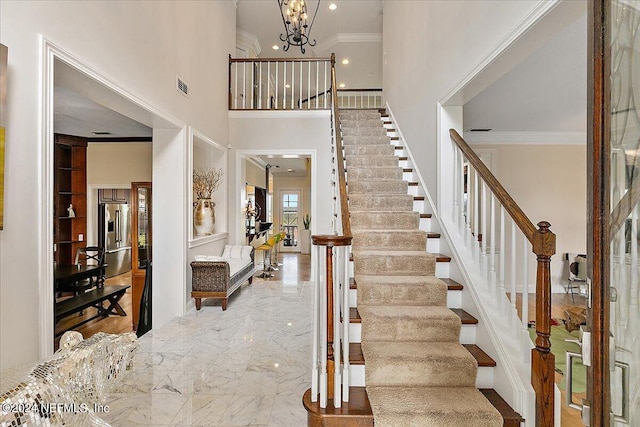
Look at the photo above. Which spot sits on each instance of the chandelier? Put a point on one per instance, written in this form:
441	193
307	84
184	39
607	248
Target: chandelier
295	20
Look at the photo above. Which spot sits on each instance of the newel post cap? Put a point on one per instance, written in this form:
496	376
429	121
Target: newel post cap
544	241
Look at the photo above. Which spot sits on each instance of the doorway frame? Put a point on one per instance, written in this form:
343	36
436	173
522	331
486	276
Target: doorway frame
168	133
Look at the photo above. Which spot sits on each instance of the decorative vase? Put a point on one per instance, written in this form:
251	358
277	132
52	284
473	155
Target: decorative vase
204	217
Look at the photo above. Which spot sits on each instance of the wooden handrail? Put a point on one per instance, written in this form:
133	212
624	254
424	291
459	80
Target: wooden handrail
519	217
543	243
279	59
359	90
344	204
311	98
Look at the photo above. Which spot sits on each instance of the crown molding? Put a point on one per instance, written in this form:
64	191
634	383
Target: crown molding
529	138
249	42
348	38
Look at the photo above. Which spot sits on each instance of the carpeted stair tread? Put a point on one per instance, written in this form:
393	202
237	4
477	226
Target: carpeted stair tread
401	290
364	131
384	220
409	323
381	172
394	263
419	364
380	186
369	150
372	160
432	407
366	140
374	240
389	202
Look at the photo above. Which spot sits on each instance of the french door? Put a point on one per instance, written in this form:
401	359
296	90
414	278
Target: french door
611	342
290	212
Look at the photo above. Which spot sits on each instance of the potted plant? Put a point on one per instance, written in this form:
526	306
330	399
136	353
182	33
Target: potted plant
205	182
305	235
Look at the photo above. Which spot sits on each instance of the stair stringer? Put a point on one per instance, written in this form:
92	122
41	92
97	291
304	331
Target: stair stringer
512	375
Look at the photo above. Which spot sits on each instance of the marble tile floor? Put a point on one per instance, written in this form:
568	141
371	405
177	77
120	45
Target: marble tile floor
247	366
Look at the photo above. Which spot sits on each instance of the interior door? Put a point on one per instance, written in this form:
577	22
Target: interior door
141	231
611	343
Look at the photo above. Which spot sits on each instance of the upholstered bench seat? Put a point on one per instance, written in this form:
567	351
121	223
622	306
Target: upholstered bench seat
219	277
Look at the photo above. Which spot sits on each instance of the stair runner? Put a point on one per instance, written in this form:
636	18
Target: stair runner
417	372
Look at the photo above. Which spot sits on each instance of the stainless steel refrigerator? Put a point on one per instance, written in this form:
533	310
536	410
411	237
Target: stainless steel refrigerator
114	225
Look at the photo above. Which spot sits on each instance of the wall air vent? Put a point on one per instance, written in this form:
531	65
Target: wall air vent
479	130
101	133
182	86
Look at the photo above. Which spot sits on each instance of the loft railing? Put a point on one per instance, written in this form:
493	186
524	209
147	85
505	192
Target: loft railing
330	349
500	236
360	98
279	84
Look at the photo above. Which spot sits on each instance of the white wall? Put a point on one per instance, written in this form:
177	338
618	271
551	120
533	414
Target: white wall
453	37
549	182
139	47
302	133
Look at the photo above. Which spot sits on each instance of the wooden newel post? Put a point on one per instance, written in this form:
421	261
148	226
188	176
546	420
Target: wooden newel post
542	360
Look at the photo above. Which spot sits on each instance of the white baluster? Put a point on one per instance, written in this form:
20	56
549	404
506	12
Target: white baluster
463	208
293	84
316	326
347	319
324	384
492	242
525	282
301	84
502	255
244	84
235	94
284	84
525	299
277	65
326	85
317	83
454	211
476	225
483	231
260	87
337	330
469	232
253	85
514	259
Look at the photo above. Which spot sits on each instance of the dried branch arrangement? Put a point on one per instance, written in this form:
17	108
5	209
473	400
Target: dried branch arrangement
206	181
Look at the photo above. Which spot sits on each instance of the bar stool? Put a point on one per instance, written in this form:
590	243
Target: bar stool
278	238
266	255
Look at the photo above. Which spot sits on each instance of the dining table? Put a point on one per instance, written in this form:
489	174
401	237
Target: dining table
68	274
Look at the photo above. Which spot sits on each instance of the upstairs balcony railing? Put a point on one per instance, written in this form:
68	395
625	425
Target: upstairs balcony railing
291	84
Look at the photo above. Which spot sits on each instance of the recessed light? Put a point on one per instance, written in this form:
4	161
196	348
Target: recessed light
287	86
333	6
275	47
289	170
290	156
341	85
345	61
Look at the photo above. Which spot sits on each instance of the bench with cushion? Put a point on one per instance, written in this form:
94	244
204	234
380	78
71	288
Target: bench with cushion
219	277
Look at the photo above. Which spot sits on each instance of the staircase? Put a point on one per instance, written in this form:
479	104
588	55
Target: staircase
415	348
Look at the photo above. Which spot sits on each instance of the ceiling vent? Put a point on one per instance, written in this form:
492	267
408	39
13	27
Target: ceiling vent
182	86
479	130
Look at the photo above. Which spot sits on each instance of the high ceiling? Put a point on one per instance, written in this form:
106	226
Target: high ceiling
353	31
544	93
